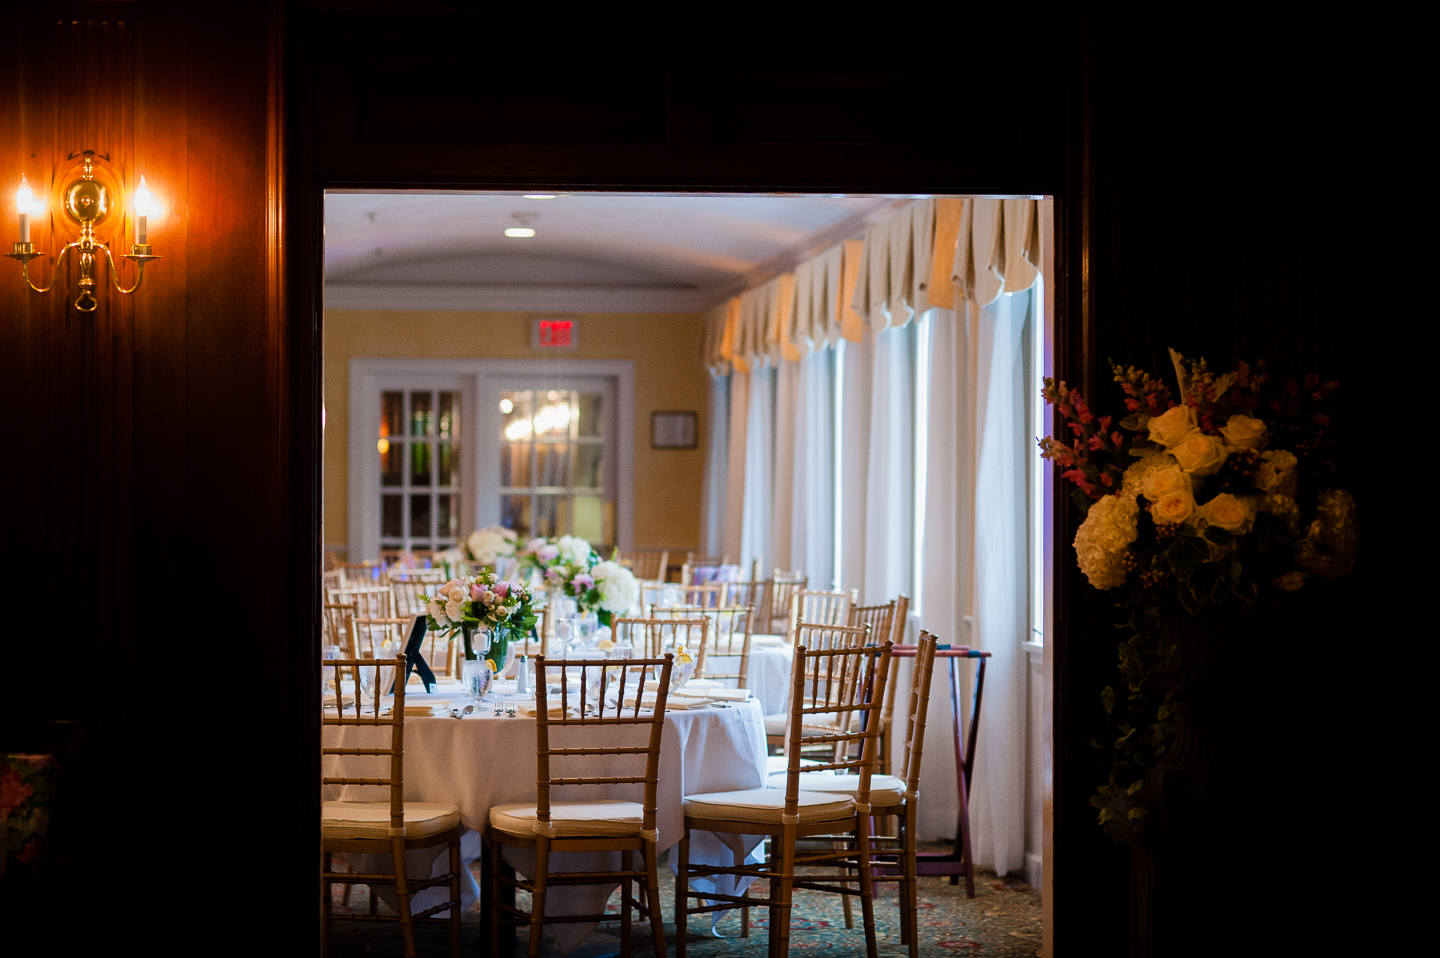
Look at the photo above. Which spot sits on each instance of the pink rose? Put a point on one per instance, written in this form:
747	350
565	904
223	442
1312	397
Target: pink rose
501	589
583	581
476	592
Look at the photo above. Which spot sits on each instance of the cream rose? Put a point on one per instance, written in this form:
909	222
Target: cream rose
1173	508
1200	455
1141	469
1167	481
1245	432
1171	427
1232	514
1292	580
1276	473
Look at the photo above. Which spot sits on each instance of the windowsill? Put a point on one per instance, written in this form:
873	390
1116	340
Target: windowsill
1036	650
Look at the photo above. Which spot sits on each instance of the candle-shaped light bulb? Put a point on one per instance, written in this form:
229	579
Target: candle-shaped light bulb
24	199
144	205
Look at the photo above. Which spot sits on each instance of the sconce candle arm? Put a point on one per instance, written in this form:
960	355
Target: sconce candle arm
140	260
56	272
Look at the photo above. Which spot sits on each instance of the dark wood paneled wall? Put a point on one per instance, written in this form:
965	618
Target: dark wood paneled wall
149	560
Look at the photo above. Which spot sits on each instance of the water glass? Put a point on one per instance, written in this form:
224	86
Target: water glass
478	678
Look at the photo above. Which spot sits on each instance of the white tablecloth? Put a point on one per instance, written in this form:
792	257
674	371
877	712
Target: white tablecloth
481	760
768	676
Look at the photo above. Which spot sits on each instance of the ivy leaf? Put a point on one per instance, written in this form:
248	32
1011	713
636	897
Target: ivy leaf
1107	698
1135	786
1142	449
1218	536
1138	812
1081	500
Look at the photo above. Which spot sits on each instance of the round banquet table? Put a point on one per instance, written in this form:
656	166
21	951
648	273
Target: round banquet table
483	760
768	676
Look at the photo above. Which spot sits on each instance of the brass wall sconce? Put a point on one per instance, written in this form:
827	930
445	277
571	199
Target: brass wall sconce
87	202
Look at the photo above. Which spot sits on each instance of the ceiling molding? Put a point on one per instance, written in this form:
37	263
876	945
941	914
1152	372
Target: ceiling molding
515	298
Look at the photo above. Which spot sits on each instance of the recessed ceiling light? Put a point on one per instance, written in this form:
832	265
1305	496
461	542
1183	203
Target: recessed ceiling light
539	196
521	231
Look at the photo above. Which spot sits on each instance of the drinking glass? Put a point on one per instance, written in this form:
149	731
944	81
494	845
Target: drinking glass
478	678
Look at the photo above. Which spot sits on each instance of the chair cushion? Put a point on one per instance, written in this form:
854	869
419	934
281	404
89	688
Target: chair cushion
600	817
884	789
766	805
775	724
369	820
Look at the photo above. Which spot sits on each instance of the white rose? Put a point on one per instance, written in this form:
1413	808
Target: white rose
1245	432
1164	482
1200	455
453	610
1276	473
1173	508
437	612
1230	513
1171	427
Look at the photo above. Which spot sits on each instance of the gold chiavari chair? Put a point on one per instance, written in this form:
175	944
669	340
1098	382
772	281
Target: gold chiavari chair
885	620
694	561
647	564
774	617
390	827
822	608
546	826
338	629
409	593
361	575
814	636
750	594
332	579
729	638
538	641
708	596
373	602
665	630
832	690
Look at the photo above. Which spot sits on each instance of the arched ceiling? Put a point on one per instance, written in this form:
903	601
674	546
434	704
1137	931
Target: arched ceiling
592	252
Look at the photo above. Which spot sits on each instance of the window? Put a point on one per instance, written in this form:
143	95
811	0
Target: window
419	449
556	455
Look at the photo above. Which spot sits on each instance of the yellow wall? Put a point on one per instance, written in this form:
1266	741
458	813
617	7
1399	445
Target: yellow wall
665	348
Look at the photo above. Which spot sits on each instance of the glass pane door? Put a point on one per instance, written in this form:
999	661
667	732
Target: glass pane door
556	461
419	449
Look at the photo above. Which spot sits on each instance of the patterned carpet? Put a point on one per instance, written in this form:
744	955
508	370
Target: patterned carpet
1002	920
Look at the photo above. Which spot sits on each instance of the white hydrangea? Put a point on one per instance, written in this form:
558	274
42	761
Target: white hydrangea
490	543
573	550
619	590
1141	469
1100	541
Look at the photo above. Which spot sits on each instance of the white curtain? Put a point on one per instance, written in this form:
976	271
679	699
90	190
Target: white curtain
812	516
857	374
1001	596
759	467
735	465
890	479
975	588
787	399
713	490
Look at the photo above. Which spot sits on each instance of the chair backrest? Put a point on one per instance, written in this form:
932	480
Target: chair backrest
613	677
538	642
332	579
369	634
647	564
360	575
436	576
914	749
880	618
729	637
835	698
699	569
409	594
375	602
659	634
751	593
384	672
335	625
823	608
897	633
708	596
775	617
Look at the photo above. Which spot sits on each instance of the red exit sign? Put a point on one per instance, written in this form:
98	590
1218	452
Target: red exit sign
555	333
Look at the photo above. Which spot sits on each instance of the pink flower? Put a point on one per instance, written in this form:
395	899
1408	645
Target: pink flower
584	581
549	552
502	589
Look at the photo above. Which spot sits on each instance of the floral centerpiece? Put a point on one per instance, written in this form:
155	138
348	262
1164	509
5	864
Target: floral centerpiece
569	566
1229	495
490	543
468	605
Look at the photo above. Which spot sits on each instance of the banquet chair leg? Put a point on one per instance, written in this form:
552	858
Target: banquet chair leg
867	887
537	897
657	921
909	902
780	935
455	866
682	898
326	898
745	916
627	863
402	895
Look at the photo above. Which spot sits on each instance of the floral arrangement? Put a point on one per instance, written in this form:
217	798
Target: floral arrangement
568	565
490	543
481	602
1229	494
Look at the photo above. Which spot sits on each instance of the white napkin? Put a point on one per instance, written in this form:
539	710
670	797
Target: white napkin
729	695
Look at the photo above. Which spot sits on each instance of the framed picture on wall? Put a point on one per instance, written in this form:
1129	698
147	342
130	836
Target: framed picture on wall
673	430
